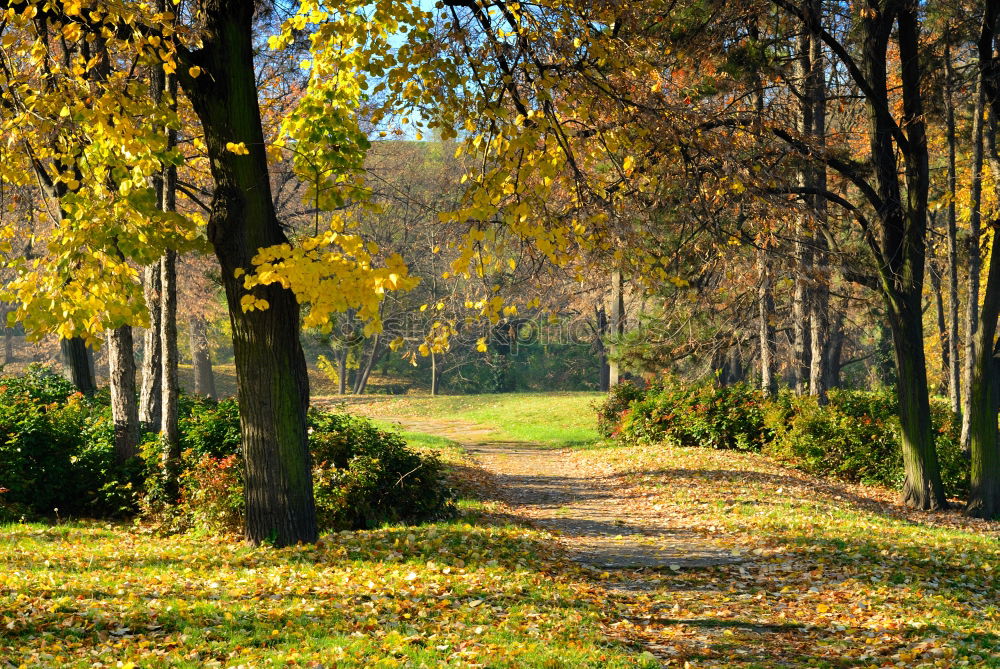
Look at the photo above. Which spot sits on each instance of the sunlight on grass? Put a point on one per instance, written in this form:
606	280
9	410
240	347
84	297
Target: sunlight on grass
553	419
836	575
445	594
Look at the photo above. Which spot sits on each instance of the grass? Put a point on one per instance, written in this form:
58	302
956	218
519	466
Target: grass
474	591
460	593
558	420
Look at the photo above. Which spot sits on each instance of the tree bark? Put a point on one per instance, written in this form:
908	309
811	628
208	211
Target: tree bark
819	299
954	364
77	359
434	375
124	410
765	314
169	358
201	357
943	333
801	347
975	262
617	324
150	404
273	385
983	393
904	248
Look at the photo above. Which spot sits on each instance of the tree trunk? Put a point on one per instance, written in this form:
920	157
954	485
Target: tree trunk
954	364
434	375
342	369
943	334
975	262
903	250
77	359
273	385
984	390
201	357
601	316
765	314
819	299
835	348
169	358
150	404
373	356
124	410
617	324
801	347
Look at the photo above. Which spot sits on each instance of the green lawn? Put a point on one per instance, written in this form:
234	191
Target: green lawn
460	593
553	419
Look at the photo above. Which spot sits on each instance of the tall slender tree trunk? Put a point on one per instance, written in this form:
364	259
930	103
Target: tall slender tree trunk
601	318
801	347
124	410
169	358
975	262
273	385
150	405
201	357
835	349
943	334
366	371
765	316
434	375
77	359
819	300
954	364
617	323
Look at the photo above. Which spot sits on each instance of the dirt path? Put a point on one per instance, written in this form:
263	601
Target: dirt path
603	522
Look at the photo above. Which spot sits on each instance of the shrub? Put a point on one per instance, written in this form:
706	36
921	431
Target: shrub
855	436
613	407
211	492
209	427
726	417
362	476
365	476
57	450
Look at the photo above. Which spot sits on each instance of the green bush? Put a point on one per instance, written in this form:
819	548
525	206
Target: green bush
362	476
613	407
365	477
855	436
725	417
57	450
209	427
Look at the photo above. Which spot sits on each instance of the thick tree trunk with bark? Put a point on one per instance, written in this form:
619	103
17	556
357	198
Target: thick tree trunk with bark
152	366
201	357
273	385
984	390
124	410
77	359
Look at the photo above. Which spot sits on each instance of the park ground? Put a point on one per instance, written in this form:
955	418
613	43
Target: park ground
568	552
